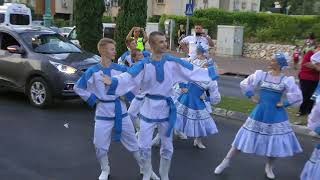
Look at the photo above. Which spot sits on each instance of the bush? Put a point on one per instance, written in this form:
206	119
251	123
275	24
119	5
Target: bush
106	19
154	18
61	22
259	27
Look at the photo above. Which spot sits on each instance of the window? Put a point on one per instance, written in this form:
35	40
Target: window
8	40
19	19
254	7
244	5
236	5
114	3
49	43
2	18
160	1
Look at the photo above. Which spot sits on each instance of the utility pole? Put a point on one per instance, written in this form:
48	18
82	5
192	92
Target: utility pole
47	18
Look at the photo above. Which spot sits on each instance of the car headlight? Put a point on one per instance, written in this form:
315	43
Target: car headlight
64	68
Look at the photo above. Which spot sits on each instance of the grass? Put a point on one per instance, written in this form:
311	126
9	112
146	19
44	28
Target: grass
246	106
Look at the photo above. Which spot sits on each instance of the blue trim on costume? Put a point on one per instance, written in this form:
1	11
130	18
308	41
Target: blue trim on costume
182	85
113	86
139	98
159	67
183	63
105	118
207	99
172	111
146	53
119	67
92	100
136	68
148	120
317	130
129	96
286	103
212	73
118	117
82	82
249	94
124	55
318	146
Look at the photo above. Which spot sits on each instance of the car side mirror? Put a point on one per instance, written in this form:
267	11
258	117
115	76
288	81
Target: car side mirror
16	49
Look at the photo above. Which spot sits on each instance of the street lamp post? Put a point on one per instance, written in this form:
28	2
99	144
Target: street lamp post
47	18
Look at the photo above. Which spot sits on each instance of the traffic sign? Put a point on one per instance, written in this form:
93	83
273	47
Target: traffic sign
189	10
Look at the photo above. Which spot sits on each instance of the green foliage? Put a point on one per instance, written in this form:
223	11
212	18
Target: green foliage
60	22
131	13
88	16
154	18
259	27
106	19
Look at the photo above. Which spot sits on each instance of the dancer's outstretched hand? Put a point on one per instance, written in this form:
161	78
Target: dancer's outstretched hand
279	104
255	99
184	90
106	79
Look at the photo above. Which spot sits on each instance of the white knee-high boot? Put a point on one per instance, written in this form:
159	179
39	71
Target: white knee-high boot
105	168
269	168
137	156
164	168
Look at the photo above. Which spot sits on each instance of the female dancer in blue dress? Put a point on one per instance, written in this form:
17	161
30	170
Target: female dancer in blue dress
194	105
267	131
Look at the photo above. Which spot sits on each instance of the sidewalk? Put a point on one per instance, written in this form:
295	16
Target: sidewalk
246	66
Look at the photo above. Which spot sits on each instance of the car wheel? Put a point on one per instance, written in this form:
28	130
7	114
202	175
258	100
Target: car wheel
39	93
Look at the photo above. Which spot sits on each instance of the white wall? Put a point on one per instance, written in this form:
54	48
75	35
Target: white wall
64	6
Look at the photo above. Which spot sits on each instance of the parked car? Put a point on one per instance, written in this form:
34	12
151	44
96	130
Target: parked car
108	32
41	63
65	31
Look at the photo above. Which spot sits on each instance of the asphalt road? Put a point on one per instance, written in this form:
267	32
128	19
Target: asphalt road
35	145
230	86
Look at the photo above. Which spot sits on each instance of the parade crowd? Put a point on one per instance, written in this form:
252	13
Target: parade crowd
147	97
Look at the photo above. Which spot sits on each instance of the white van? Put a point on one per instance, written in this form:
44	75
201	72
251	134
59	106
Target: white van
15	14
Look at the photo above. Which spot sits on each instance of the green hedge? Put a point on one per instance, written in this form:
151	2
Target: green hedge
259	27
106	19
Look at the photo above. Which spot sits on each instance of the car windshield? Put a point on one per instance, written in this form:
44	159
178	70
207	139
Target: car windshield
49	43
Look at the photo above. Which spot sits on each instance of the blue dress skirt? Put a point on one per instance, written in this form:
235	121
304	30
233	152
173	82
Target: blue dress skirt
267	131
193	118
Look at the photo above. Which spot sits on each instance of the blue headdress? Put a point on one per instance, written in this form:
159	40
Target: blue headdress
281	58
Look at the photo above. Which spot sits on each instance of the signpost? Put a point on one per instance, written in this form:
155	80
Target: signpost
188	12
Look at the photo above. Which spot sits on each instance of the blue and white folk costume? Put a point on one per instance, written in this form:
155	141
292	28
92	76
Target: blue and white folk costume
111	112
311	170
193	115
125	58
156	79
267	131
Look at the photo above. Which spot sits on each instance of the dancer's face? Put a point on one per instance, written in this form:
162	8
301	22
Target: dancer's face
159	44
274	65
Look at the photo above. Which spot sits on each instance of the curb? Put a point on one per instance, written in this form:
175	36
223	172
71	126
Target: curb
301	130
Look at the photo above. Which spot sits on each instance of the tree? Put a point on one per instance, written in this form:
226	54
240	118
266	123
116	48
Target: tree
298	7
131	13
88	17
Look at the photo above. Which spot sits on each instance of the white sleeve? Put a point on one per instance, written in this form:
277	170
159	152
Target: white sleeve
249	84
293	93
120	61
215	96
125	82
314	117
81	89
186	39
186	72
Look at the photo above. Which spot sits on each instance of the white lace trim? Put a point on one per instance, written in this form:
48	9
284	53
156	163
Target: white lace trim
191	113
267	129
